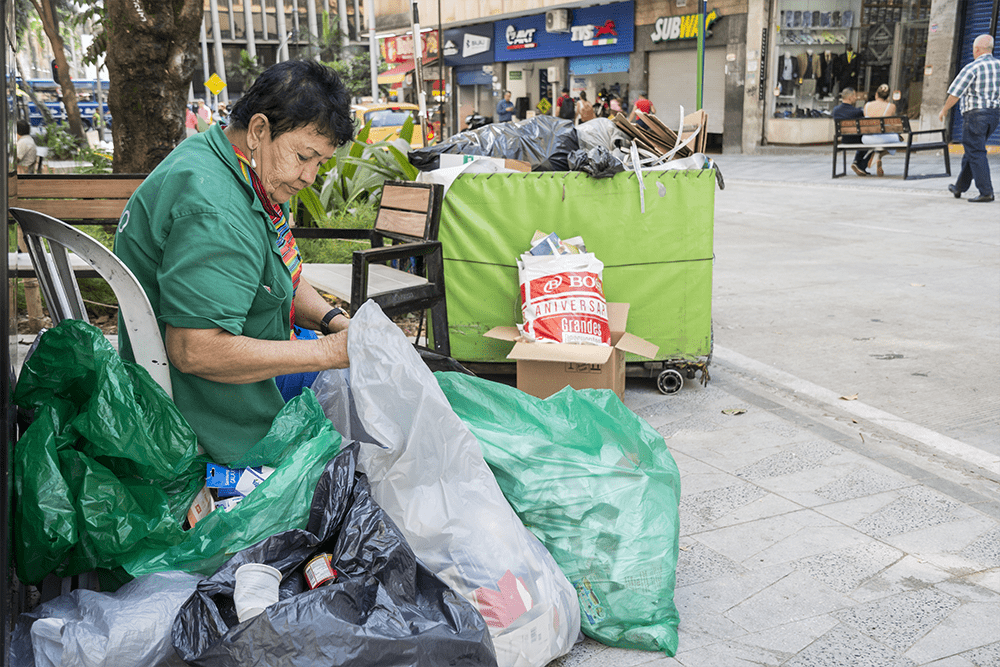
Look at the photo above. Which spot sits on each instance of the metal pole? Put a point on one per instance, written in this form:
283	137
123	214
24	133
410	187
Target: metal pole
702	9
313	28
249	31
282	31
373	54
441	92
220	63
418	71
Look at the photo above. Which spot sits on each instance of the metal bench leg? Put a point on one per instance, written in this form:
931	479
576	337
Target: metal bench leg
439	325
906	166
947	161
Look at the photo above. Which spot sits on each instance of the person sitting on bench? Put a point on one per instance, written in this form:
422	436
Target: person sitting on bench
845	111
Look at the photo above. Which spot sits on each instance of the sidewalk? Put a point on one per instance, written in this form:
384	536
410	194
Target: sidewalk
814	164
813	535
812	539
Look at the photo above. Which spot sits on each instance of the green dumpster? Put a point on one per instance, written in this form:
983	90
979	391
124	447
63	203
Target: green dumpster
659	261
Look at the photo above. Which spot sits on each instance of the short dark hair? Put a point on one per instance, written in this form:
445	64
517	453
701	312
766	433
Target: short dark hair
294	94
565	90
23	128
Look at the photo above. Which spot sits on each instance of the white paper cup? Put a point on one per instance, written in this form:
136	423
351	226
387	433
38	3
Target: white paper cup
256	588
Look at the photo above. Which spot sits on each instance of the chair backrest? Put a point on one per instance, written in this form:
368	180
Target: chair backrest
410	211
62	293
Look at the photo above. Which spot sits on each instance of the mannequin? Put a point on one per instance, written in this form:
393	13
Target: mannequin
808	67
788	72
849	68
825	75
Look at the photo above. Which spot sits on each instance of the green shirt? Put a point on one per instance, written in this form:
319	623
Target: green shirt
199	241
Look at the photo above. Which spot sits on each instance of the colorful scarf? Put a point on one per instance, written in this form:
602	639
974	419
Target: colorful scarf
286	242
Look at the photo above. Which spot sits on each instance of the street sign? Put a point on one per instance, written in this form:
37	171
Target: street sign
215	84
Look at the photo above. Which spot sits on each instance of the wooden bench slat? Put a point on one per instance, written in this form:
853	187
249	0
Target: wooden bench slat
401	222
408	199
77	189
76	209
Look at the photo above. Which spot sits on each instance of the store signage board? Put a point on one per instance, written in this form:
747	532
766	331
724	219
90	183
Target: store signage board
399	49
671	28
472	45
592	31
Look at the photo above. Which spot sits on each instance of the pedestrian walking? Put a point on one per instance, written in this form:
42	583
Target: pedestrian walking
978	88
505	108
584	109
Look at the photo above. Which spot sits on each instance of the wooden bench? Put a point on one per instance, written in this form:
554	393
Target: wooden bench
76	199
899	125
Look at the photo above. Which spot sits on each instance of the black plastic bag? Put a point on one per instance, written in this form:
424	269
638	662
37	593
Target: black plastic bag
543	141
597	162
386	608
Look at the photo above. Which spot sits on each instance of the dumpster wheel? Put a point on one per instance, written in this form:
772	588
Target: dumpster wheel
669	381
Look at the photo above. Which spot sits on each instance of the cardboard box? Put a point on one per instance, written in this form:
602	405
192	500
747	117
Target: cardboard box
545	368
452	160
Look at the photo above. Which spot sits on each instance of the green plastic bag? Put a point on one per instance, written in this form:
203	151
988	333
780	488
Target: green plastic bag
106	472
599	488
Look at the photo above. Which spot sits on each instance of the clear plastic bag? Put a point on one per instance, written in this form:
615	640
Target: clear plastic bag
127	628
427	471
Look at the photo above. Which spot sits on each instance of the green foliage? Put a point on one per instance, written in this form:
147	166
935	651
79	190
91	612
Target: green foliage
100	163
337	251
61	144
249	68
355	175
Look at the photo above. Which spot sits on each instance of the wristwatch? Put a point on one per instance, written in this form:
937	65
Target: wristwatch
324	326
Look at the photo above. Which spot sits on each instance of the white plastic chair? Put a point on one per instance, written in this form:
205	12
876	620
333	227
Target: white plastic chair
62	293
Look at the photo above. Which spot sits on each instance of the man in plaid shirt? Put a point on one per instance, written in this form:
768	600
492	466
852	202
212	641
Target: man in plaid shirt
978	86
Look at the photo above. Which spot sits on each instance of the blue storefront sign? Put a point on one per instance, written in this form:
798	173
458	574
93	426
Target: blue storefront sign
593	31
472	45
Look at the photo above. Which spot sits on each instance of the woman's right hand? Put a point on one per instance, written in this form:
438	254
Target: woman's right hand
335	346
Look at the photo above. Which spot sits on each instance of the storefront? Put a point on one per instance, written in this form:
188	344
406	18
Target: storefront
820	47
397	51
665	63
978	17
583	48
468	51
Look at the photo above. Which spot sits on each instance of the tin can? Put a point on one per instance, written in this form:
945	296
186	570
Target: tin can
319	571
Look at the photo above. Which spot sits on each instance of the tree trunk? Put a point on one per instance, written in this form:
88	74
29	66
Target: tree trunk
50	23
152	53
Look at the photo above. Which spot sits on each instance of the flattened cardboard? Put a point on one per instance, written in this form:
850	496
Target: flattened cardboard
456	160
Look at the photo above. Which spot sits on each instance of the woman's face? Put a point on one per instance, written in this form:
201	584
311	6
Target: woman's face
290	162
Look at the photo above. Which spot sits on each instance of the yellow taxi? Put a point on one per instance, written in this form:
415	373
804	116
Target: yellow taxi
387	120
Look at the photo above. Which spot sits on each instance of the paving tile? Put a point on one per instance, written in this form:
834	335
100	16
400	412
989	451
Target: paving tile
745	542
846	569
985	656
618	657
972	626
846	647
862	481
791	460
767	506
916	507
730	655
965	590
985	549
703	508
943	544
989	580
907	574
698	477
580	653
899	621
951	661
788	639
793	598
810	541
696	562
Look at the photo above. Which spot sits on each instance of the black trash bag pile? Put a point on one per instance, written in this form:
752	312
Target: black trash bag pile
543	141
597	162
385	609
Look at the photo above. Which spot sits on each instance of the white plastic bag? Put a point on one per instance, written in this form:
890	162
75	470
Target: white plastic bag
427	471
127	628
562	299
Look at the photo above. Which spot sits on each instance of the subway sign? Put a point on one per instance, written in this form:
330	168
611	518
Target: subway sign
670	28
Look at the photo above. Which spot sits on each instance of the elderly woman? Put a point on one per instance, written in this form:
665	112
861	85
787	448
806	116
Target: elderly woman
207	235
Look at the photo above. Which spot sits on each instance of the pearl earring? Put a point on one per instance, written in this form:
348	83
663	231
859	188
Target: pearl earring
253	162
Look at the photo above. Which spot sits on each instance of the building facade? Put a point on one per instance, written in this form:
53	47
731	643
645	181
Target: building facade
773	69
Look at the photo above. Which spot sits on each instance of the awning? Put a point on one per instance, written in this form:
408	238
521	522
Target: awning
399	72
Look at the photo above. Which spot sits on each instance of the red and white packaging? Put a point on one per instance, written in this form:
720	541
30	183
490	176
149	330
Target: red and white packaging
562	299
